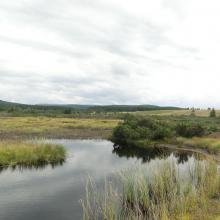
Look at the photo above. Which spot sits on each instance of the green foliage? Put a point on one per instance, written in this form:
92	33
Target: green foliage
161	132
67	111
189	130
138	128
212	113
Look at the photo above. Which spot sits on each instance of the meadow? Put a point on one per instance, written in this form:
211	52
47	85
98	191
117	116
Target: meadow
29	127
181	112
90	125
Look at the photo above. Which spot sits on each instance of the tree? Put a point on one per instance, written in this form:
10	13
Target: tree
67	111
212	113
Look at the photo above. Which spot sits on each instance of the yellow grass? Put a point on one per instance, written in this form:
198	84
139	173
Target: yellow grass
44	125
212	145
201	113
14	153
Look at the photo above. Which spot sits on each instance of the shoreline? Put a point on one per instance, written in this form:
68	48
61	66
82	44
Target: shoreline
216	157
76	133
97	134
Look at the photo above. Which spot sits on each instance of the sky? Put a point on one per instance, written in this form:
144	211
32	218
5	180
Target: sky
163	52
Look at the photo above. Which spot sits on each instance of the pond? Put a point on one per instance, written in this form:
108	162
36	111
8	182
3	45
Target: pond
54	192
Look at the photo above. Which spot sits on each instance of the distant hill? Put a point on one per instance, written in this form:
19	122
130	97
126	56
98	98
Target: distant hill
131	108
72	106
4	105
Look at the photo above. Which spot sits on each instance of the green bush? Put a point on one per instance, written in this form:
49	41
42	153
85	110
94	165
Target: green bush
212	113
189	130
134	128
161	133
67	111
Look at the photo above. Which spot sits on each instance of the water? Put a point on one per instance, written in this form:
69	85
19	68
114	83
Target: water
54	192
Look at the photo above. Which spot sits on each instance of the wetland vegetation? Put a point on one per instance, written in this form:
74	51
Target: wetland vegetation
47	127
30	154
192	132
165	194
141	134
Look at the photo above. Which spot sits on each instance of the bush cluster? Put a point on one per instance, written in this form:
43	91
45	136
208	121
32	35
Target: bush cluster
139	128
189	130
134	128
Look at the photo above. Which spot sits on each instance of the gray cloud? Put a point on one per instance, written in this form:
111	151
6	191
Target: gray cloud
43	46
84	51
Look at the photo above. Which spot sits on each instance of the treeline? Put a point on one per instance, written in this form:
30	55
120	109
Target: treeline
130	108
16	109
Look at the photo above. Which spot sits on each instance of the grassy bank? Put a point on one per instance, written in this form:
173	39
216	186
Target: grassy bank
211	145
30	154
164	195
13	127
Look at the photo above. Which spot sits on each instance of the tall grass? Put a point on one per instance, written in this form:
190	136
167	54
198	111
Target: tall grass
47	127
165	194
211	145
14	153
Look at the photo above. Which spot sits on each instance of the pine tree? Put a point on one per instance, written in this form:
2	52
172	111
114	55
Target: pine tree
212	113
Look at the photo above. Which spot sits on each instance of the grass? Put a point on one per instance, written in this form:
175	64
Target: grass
20	153
211	145
58	127
200	113
55	127
163	195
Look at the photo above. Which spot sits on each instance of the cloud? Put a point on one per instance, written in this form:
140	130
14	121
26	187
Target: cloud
110	52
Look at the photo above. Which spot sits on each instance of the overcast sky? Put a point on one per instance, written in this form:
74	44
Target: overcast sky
164	52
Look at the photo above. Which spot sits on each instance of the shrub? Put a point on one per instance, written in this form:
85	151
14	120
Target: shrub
161	133
212	113
189	130
122	133
67	111
147	122
134	128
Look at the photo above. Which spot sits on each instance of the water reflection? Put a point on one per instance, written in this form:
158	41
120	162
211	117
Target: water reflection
41	192
38	166
152	153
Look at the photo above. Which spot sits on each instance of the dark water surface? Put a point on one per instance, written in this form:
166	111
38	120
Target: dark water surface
53	193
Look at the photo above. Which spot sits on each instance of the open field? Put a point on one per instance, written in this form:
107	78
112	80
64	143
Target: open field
200	113
62	127
15	127
22	153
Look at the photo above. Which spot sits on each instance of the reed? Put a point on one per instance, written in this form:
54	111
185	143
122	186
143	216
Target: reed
165	194
13	153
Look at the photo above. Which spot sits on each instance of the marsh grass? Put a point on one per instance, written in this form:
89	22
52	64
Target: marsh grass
185	112
165	194
21	153
211	145
55	127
